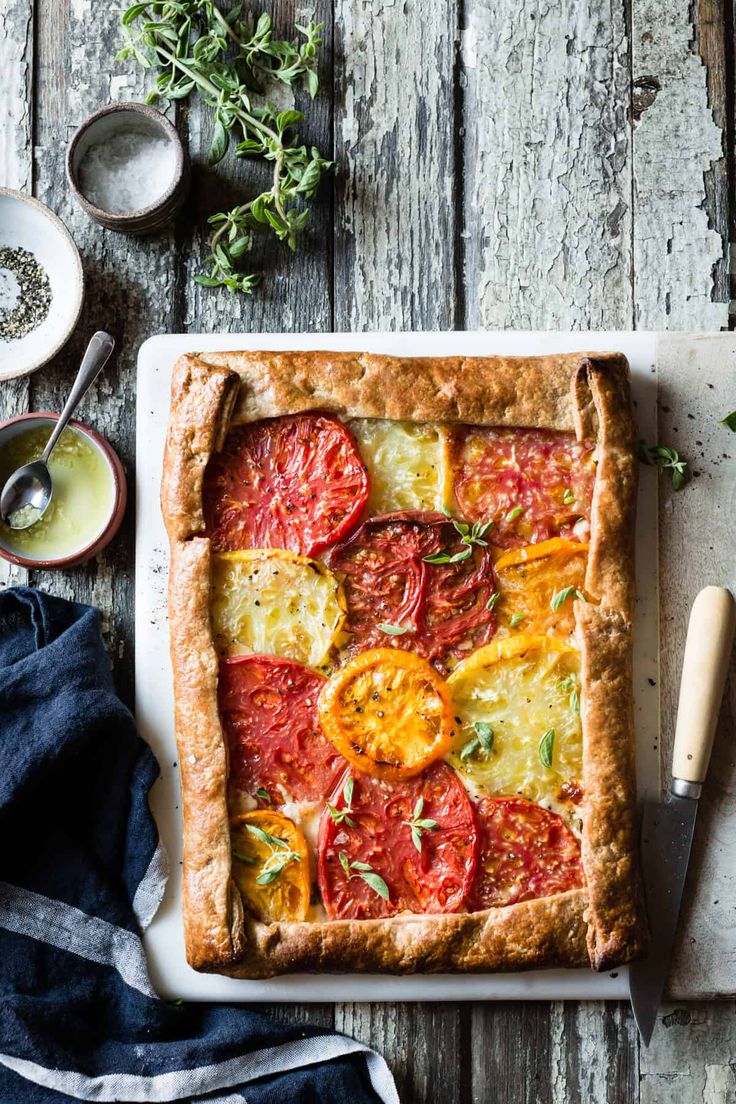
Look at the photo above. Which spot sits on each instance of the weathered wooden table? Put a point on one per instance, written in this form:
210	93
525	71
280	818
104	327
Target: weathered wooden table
508	164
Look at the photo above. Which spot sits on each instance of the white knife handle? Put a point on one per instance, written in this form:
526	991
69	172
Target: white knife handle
704	669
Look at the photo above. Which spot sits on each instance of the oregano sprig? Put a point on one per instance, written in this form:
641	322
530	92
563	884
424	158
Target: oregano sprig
367	873
469	536
344	814
193	46
419	824
666	459
281	855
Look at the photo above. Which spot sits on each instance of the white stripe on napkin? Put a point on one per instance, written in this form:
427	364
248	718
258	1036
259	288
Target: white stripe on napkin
70	929
151	887
192	1083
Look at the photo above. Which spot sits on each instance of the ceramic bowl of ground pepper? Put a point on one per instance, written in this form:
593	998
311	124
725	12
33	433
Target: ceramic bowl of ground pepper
41	284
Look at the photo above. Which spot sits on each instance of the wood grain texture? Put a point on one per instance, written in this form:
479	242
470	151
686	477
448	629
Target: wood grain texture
130	286
675	147
395	188
547	192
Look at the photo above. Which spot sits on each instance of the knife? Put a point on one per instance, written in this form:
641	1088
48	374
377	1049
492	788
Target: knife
667	827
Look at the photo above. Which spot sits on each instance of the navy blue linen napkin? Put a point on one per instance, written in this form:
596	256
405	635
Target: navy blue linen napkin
78	856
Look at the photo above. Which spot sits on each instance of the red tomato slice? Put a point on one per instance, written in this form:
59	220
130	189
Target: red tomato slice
268	708
533	484
387	581
435	879
296	482
525	851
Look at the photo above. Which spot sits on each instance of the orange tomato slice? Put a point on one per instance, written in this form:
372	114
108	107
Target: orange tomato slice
529	578
270	865
388	712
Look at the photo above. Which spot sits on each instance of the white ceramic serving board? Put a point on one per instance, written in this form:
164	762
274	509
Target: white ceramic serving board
154	708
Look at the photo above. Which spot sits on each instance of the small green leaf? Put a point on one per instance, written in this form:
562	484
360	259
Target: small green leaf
248	860
730	421
484	733
546	747
347	791
516	619
493	600
218	148
469	749
263	794
376	883
392	630
568	497
344	863
561	596
512	515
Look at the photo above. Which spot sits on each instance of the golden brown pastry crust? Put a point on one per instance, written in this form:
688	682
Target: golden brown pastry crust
587	394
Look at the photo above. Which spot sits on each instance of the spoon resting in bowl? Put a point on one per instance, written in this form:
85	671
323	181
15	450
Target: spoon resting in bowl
28	491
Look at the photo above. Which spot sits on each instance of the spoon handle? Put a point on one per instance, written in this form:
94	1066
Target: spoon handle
94	360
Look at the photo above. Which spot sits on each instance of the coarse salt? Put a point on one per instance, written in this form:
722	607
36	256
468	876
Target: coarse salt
127	172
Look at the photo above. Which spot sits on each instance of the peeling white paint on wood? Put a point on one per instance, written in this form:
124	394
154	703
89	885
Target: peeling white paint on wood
691	1056
547	165
16	113
394	138
676	142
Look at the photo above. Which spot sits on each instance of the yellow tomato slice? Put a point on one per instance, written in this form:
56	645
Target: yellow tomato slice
274	602
270	865
407	464
388	712
508	697
530	577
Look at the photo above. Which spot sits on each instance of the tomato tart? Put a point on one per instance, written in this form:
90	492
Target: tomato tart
401	596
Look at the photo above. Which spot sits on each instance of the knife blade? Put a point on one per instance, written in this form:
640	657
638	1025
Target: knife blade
668	827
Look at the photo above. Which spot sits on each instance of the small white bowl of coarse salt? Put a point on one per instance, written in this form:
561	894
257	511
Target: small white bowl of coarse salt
127	168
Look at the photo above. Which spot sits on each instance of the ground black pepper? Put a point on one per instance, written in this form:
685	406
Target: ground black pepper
28	307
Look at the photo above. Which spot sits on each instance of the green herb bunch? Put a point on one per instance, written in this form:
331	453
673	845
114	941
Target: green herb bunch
231	63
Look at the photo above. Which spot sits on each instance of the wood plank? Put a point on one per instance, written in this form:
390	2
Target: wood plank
131	286
547	191
16	168
677	147
297	287
593	1057
427	1047
691	1057
395	190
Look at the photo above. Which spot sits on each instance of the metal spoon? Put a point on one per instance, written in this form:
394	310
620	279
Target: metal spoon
28	491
